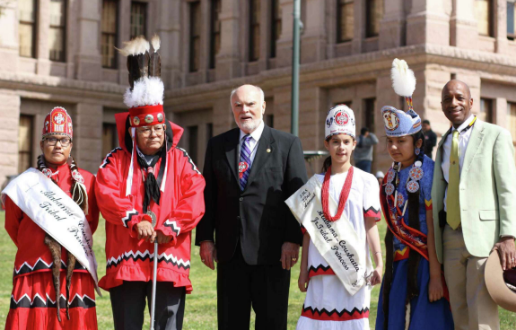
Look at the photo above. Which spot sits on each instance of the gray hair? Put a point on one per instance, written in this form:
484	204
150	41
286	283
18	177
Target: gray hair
234	91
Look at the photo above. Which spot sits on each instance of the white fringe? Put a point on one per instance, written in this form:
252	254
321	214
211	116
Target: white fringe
403	78
407	316
146	91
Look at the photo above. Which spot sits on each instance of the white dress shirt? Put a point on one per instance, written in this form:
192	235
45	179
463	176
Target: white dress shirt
464	135
253	142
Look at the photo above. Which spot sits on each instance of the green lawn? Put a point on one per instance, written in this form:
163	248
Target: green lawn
201	305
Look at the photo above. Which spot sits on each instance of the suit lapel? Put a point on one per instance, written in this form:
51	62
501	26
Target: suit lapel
231	151
262	155
473	145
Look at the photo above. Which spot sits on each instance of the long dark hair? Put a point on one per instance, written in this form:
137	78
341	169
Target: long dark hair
327	162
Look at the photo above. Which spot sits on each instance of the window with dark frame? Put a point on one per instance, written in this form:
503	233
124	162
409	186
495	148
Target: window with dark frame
109	139
27	28
57	31
192	142
486	110
138	19
369	113
511	14
25	145
216	7
269	120
345	20
254	30
195	36
275	25
374	14
209	131
484	14
109	37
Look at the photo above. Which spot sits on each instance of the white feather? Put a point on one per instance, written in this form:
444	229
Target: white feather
146	91
156	43
403	79
136	46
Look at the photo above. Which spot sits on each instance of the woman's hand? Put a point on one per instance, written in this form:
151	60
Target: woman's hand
302	282
376	276
435	288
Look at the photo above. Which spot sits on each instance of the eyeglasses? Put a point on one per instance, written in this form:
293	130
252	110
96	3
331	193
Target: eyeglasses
146	130
52	141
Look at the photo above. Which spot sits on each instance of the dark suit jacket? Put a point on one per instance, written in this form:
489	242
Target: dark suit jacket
257	216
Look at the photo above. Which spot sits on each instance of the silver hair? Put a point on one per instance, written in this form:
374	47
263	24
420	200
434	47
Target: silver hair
234	91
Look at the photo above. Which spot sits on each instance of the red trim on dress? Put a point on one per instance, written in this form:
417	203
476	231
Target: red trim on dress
323	315
320	270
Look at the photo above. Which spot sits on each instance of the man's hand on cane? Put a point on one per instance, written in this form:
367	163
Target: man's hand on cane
208	254
146	231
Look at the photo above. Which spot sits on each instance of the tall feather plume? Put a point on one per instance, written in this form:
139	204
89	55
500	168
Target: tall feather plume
403	79
137	52
155	58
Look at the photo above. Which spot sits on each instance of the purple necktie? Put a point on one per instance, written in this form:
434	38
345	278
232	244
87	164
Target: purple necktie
244	167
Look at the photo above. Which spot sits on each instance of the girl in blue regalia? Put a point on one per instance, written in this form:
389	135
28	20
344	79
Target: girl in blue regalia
413	294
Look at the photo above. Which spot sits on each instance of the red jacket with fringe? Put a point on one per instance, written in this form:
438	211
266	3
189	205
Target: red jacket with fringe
180	209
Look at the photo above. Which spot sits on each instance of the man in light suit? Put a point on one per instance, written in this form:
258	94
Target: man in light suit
474	199
250	171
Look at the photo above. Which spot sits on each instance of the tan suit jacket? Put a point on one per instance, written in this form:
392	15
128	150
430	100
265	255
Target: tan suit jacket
487	190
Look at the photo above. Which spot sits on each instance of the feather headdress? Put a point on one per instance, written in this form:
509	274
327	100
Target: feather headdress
403	81
398	122
144	97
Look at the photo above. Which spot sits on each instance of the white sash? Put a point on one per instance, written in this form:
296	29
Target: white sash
337	242
57	214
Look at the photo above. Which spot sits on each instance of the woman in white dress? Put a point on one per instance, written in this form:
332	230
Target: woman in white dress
338	210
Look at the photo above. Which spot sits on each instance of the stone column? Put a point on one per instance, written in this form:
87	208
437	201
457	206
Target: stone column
42	32
124	34
9	134
9	47
314	39
87	136
359	27
428	23
228	59
169	30
392	32
500	112
500	28
284	43
463	24
88	59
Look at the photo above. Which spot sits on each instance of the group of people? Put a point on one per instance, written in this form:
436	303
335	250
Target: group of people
253	207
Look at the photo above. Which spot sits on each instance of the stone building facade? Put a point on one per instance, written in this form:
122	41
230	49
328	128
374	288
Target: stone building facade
61	52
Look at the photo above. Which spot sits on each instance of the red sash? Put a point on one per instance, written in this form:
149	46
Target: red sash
409	236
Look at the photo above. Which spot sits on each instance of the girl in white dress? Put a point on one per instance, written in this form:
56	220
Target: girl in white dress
336	269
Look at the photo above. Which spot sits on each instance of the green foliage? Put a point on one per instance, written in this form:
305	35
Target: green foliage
201	305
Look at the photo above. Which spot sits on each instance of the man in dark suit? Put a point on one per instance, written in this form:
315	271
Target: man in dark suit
250	171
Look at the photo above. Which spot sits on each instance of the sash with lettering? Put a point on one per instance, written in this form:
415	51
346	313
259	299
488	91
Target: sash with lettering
337	242
57	214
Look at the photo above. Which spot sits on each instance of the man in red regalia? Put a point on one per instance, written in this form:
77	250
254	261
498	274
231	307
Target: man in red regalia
43	268
148	177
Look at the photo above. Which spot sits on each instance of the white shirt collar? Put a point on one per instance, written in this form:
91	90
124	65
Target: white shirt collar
464	124
256	134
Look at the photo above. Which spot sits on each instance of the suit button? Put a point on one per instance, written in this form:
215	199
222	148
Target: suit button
241	199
